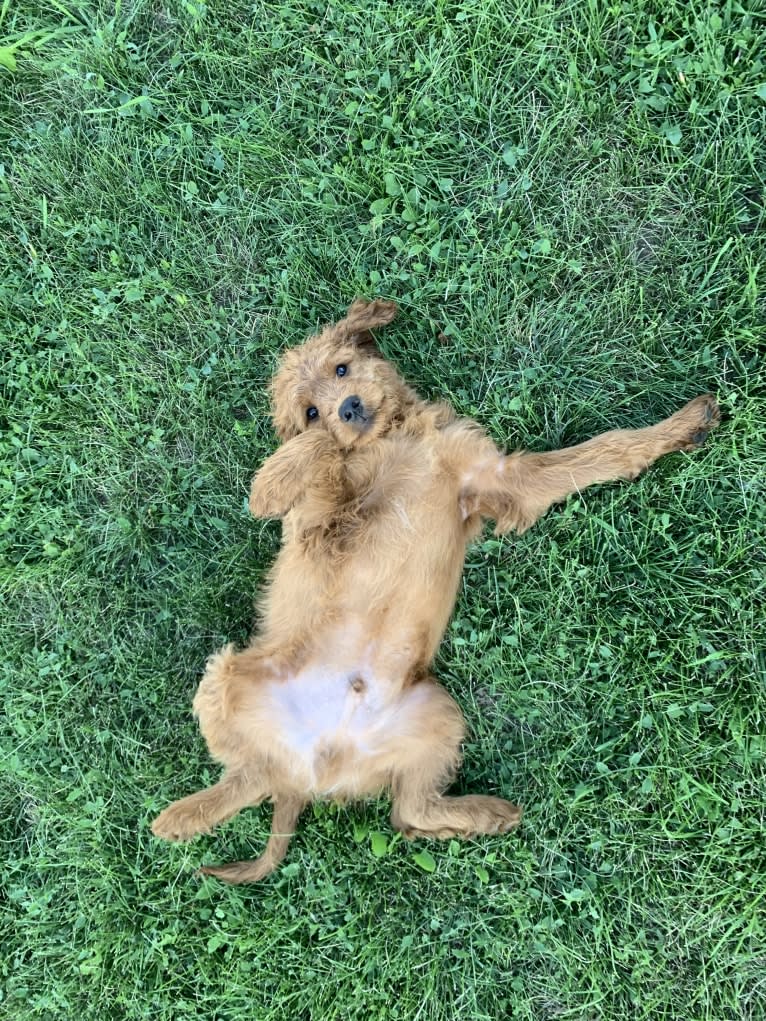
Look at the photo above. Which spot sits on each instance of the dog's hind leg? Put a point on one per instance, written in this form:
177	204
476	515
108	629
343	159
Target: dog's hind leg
422	814
287	808
424	761
200	812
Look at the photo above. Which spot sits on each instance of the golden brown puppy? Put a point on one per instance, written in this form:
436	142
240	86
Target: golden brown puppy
379	493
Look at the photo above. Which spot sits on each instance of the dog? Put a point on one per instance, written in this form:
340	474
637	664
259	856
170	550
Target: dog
379	493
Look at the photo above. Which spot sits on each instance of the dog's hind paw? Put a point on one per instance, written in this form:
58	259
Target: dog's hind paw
177	823
240	871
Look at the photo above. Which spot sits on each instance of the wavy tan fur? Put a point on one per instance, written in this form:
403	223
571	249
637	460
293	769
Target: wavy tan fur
379	494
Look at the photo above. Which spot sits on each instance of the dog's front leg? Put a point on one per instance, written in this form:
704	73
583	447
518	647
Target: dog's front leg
539	480
517	489
283	478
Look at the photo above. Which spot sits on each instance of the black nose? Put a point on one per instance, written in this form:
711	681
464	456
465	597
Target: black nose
351	409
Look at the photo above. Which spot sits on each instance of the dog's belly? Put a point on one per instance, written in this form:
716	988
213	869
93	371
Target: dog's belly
334	723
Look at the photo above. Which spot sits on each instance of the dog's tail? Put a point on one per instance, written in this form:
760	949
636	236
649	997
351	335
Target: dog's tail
286	812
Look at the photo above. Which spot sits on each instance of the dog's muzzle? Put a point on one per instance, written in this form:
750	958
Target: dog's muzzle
352	412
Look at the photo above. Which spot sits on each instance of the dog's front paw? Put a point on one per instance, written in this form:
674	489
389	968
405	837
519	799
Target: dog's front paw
694	421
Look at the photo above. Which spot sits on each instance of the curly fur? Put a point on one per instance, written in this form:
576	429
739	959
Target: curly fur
379	493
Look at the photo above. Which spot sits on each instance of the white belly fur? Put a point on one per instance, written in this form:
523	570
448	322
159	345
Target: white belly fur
320	710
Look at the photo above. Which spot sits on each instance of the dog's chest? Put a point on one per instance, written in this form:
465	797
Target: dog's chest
394	479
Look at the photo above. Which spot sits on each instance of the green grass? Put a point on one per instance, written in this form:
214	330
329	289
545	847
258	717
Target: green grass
567	201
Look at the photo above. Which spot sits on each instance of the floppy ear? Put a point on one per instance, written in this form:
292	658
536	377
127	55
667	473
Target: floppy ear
281	414
364	316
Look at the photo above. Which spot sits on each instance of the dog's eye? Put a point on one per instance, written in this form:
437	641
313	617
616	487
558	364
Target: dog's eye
312	413
341	370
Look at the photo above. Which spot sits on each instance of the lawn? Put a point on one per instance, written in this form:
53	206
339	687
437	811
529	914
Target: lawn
567	201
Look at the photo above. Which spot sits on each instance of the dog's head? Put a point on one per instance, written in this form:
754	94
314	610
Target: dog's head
340	382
